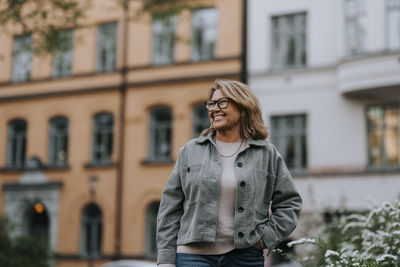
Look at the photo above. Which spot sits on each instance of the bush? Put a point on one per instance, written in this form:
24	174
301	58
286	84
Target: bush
21	251
368	240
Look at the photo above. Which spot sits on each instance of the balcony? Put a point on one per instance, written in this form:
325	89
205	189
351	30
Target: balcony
373	76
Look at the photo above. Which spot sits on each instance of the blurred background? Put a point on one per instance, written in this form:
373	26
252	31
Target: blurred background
96	99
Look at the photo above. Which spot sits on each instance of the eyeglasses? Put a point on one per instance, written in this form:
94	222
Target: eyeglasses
222	103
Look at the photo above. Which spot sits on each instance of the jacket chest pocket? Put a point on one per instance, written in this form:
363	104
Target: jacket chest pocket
193	179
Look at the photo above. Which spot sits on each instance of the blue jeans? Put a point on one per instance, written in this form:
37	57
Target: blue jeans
251	256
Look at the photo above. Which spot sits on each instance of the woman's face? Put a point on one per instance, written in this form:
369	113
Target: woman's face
227	119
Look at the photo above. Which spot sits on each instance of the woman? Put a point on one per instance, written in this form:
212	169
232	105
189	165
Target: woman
230	194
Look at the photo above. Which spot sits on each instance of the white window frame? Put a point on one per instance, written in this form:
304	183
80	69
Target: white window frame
22	58
106	52
103	126
282	132
204	26
393	24
355	27
160	150
62	59
164	40
16	145
282	34
58	141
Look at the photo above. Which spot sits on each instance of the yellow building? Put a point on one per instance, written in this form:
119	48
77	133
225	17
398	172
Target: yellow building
88	136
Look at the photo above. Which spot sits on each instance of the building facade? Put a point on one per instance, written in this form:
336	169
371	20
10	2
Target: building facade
89	135
328	76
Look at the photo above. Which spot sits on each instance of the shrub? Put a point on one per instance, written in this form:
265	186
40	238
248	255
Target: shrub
368	240
21	251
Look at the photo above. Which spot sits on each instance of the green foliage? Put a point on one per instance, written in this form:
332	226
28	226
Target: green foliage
47	19
21	251
162	9
370	240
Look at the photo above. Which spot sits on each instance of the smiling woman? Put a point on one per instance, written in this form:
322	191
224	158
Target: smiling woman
215	205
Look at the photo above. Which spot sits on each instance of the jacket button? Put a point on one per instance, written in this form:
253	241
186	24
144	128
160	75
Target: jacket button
241	209
239	164
188	169
240	234
242	183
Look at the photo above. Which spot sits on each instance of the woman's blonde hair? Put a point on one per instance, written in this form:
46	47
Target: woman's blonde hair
251	122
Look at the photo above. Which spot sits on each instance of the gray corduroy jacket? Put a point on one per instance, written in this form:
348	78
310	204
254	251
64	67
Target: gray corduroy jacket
188	209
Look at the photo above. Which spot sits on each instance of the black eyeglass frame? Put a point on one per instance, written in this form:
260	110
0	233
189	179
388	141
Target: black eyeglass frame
209	106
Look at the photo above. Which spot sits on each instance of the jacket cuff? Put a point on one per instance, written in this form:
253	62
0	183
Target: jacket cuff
166	256
269	239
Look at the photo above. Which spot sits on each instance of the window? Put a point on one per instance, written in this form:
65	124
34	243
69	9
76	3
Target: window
288	133
289	41
16	143
204	33
103	125
92	230
151	228
393	17
62	59
163	40
58	141
160	134
22	58
383	136
200	119
355	26
106	47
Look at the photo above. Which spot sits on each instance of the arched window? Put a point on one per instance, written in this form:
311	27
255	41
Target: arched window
16	143
58	141
37	221
151	227
200	119
92	230
160	134
103	132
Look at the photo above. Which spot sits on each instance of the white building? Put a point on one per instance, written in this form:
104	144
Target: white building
328	77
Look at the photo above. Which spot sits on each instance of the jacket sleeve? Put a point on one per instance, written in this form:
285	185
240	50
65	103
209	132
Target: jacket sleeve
169	215
286	206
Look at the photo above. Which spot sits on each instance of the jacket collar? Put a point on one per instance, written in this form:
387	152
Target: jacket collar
210	136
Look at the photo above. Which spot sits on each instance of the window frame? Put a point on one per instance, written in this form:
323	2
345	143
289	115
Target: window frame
360	16
297	131
63	59
96	223
163	29
106	136
105	46
278	59
151	225
390	10
163	127
384	166
58	139
20	156
197	54
21	52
